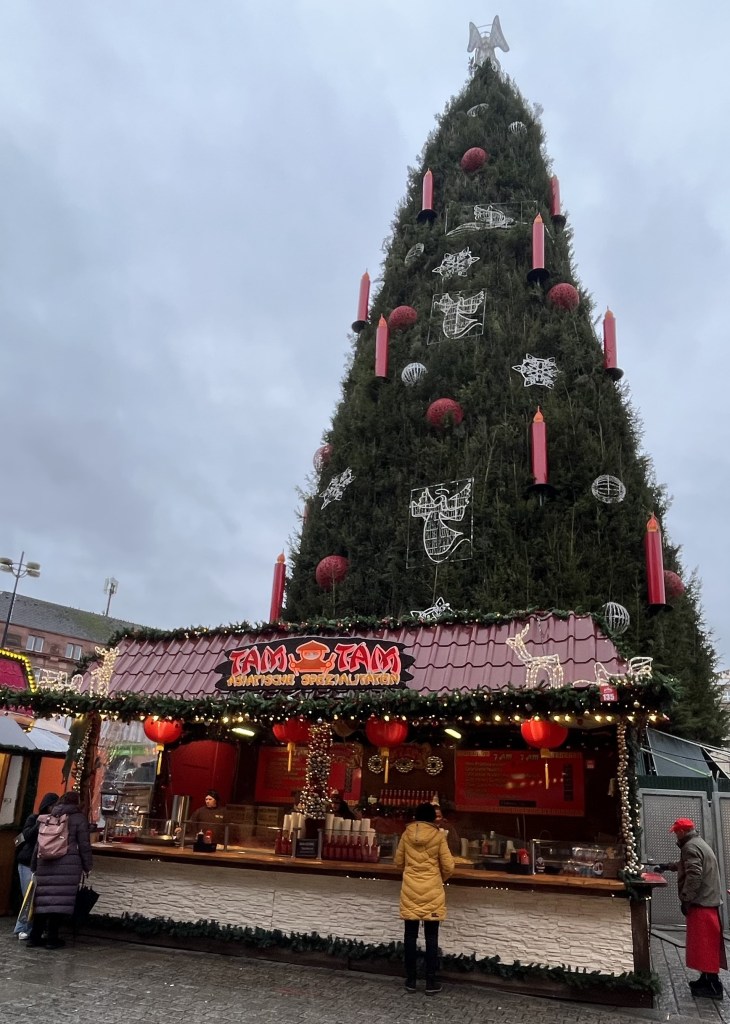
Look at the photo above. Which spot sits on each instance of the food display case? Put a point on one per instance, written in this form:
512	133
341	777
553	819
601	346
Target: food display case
588	860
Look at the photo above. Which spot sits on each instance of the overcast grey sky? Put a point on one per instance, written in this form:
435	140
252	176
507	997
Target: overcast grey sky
189	193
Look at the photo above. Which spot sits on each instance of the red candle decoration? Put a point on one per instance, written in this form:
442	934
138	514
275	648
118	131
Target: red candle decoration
555	214
293	732
385	734
610	364
473	159
427	211
277	589
444	411
381	349
538	438
362	304
538	272
673	585
543	734
654	564
402	318
330	571
564	296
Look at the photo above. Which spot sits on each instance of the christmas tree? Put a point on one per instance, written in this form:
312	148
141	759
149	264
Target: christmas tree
431	488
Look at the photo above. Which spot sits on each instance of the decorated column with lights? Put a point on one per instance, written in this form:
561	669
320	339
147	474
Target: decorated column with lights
315	801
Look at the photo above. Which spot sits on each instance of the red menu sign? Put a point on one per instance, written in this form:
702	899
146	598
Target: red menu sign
520	781
276	785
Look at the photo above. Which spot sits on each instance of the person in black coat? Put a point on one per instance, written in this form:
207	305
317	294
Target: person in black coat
57	881
23	857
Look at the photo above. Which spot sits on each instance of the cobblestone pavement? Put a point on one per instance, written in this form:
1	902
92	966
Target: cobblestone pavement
105	982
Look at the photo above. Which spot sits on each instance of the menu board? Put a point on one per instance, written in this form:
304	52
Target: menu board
275	784
522	781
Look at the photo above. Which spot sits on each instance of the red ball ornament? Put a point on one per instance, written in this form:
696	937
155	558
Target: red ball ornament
161	731
402	318
322	457
331	570
385	734
473	159
564	296
444	411
542	734
673	586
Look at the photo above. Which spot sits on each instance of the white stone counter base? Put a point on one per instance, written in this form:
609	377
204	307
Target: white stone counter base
591	932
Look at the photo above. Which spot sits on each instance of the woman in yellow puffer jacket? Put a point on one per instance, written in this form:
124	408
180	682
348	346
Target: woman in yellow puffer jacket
424	858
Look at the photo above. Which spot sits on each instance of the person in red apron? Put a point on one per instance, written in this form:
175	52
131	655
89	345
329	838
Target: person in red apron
698	884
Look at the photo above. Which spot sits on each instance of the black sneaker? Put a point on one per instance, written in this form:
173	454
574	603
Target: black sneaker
410	985
433	988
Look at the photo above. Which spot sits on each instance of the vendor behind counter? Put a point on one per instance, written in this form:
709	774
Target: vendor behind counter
211	817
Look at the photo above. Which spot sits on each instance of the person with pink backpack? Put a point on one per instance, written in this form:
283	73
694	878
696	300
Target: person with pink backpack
62	854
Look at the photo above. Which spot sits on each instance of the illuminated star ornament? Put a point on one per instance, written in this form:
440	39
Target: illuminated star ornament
456	264
336	487
437	609
541	372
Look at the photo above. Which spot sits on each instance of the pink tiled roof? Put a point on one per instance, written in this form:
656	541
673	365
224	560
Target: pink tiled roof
446	657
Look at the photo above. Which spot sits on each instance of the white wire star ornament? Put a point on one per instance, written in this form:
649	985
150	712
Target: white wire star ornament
536	371
337	487
456	264
437	609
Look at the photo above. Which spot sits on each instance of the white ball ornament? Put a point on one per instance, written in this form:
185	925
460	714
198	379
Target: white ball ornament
608	489
517	128
617	617
412	373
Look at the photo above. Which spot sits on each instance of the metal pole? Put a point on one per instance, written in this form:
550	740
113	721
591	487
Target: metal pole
17	574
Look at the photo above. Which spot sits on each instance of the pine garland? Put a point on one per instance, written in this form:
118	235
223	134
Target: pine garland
312	942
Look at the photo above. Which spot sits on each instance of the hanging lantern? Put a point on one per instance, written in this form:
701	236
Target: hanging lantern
564	296
444	411
673	586
293	732
162	731
385	735
545	736
473	159
331	570
402	318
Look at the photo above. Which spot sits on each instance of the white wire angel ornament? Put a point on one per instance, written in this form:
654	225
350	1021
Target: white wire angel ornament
483	41
459	319
439	506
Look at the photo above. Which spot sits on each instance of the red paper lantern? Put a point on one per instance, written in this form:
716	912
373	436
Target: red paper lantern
402	318
443	411
673	586
564	296
543	734
322	457
473	159
331	570
292	732
385	735
162	731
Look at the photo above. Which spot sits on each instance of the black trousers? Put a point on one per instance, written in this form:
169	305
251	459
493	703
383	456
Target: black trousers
410	939
47	923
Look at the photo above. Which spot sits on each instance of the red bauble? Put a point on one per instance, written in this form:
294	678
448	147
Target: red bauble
293	730
564	296
385	734
331	570
473	159
322	457
161	731
444	410
402	318
673	586
544	735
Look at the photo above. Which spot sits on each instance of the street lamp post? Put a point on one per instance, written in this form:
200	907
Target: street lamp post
19	570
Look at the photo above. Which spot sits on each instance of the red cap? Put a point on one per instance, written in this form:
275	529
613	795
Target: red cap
682	825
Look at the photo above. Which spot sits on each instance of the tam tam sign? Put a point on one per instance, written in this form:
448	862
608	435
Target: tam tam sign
299	662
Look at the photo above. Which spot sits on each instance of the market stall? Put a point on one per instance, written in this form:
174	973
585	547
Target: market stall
521	729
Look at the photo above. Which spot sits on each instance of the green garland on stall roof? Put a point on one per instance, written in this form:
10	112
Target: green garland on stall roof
336	626
654	695
312	942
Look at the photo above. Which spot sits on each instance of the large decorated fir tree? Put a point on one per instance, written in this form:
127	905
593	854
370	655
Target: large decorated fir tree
426	481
